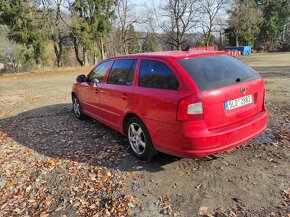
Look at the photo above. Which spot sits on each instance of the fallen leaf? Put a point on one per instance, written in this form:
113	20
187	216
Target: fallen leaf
105	178
123	188
59	208
129	174
202	210
131	205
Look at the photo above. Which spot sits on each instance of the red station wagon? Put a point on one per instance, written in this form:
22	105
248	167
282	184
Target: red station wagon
188	104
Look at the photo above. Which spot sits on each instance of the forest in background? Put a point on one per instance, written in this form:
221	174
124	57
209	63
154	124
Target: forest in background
57	33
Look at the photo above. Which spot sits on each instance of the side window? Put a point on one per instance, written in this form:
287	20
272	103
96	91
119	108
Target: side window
122	72
155	74
99	72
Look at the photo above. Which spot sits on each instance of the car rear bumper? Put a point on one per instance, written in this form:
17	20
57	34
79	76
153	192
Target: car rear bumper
198	141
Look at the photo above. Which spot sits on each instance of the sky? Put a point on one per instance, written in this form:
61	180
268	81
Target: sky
142	2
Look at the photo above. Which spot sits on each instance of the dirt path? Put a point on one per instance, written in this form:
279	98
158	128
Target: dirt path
53	164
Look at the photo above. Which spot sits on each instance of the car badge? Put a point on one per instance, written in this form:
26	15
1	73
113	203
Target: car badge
243	90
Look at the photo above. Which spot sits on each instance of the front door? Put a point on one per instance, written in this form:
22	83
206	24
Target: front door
90	92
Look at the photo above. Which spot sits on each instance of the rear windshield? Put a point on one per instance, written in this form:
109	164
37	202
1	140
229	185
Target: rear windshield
211	72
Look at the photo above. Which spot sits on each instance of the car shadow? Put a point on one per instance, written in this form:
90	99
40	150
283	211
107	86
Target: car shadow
55	132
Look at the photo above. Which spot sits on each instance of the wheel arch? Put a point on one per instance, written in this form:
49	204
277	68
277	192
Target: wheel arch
126	118
151	150
73	94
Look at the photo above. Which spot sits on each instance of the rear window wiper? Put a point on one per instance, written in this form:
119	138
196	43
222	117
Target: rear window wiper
250	78
245	79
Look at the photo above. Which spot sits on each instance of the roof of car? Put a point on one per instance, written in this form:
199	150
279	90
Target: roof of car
174	54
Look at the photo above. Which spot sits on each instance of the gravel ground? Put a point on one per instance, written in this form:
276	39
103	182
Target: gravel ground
55	165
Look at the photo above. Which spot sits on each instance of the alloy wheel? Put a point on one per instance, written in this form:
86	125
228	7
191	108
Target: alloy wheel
136	138
77	107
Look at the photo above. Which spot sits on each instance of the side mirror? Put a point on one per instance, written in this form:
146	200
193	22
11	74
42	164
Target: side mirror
81	78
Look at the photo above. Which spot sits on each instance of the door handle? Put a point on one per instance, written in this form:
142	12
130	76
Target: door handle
124	96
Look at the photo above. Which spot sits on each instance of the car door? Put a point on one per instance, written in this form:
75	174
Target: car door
90	90
156	98
117	90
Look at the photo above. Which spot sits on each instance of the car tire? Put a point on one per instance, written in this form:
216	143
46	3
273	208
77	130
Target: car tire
77	109
139	139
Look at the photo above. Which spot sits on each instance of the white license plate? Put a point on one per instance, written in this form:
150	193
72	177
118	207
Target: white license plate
235	103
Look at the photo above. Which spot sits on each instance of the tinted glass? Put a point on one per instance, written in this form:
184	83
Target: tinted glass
122	72
155	74
217	71
99	72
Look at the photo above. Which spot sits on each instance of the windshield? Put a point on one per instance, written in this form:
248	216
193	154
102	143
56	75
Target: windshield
212	72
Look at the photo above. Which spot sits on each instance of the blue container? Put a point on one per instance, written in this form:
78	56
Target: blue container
245	50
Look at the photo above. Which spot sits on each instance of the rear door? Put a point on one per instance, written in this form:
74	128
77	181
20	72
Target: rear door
156	98
157	90
231	90
117	91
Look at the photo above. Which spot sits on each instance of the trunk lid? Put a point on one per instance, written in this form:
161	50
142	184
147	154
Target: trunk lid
219	112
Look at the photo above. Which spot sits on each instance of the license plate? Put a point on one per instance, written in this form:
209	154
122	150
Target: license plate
232	104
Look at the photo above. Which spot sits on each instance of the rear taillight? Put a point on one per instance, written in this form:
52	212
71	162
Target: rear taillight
190	109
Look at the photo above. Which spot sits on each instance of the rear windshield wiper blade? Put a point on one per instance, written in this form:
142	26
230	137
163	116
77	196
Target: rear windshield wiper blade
245	79
250	78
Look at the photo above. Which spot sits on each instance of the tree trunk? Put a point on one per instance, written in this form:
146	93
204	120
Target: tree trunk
37	62
208	38
95	59
237	41
221	40
101	48
58	53
178	47
76	48
85	57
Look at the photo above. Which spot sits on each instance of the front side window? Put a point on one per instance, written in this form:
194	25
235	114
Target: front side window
156	74
99	72
122	72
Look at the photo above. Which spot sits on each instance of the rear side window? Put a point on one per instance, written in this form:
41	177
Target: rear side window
217	71
122	72
99	72
156	74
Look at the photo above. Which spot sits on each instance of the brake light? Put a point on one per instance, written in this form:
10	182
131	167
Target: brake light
190	109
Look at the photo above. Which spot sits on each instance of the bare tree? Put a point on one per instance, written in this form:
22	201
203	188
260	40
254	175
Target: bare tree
58	31
221	25
209	11
175	19
126	17
285	36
